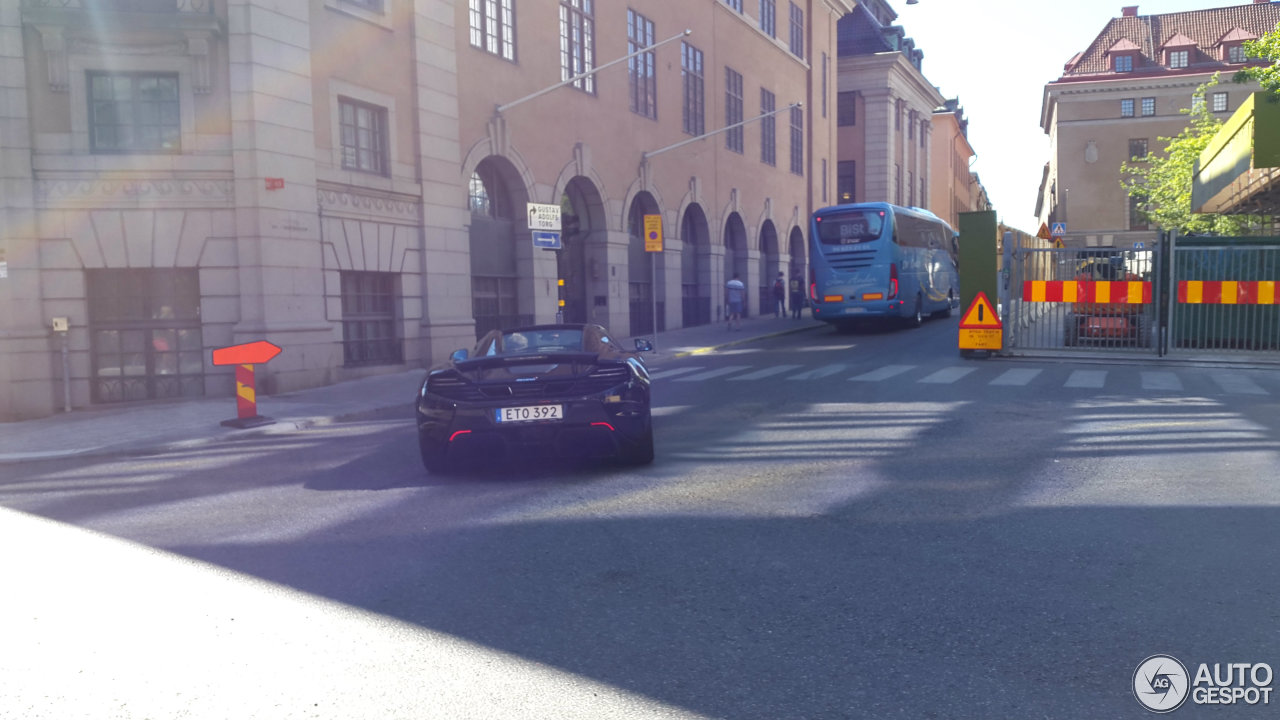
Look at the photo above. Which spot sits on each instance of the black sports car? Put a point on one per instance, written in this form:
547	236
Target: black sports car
536	392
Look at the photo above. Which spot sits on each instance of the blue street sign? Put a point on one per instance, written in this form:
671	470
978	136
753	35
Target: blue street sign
1139	246
546	240
1059	229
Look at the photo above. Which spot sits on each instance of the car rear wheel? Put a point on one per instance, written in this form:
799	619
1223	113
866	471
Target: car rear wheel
432	457
641	453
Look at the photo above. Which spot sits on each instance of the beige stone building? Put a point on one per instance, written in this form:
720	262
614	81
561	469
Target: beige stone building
954	187
1118	96
335	176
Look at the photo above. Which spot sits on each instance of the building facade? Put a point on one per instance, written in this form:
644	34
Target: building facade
336	176
1118	97
954	187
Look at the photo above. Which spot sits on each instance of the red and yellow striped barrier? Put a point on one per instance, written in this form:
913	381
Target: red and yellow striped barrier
1133	292
1228	292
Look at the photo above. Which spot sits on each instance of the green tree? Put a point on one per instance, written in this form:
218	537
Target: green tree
1266	47
1161	182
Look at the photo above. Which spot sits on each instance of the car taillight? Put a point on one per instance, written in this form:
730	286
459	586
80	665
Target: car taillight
893	280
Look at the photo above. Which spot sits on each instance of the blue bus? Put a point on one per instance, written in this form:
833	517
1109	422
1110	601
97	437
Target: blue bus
880	261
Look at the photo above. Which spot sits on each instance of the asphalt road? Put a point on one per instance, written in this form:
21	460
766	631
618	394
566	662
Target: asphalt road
837	526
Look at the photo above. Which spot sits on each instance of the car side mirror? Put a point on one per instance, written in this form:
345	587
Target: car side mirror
458	355
643	345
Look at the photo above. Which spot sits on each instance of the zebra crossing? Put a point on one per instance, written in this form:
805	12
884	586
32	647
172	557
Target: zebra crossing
1199	380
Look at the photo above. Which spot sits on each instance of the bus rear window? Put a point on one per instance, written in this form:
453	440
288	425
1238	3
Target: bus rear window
850	228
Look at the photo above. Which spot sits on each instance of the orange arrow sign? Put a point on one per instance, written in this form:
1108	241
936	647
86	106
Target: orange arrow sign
980	314
253	353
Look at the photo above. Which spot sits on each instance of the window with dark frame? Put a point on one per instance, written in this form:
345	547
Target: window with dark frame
1137	148
577	43
1148	106
846	181
797	141
1219	102
363	130
768	18
694	112
1126	107
735	4
1236	54
733	109
1123	63
846	108
768	129
1179	58
642	75
797	31
493	27
369	334
134	113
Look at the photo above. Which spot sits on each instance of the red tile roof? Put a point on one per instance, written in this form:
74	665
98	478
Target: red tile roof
1206	29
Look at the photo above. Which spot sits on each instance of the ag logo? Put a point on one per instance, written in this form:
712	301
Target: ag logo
1161	683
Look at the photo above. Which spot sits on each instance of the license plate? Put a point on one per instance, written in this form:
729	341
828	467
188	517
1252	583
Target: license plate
529	413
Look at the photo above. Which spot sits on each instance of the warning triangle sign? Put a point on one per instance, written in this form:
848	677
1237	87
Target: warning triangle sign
980	315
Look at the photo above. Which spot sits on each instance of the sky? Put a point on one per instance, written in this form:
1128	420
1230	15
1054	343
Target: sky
996	56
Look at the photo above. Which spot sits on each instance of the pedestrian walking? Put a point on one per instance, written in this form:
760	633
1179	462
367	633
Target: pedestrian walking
735	293
797	295
780	295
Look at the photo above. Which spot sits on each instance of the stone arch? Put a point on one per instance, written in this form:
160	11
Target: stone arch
696	278
496	200
583	236
770	263
645	282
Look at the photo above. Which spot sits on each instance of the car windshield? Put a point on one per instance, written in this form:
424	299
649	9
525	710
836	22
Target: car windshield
534	342
850	227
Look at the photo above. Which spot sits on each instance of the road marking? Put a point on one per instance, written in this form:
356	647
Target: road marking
1087	379
767	372
713	373
1236	384
946	376
883	373
671	373
824	371
1160	381
1020	376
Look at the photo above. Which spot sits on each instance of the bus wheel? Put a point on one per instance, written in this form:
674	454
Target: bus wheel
946	312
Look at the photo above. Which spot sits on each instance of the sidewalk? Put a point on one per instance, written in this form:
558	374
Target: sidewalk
106	429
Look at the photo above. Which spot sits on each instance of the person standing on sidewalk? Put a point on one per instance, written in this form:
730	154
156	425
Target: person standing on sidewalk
797	295
735	293
780	295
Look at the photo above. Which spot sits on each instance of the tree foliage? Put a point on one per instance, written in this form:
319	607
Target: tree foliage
1266	47
1161	181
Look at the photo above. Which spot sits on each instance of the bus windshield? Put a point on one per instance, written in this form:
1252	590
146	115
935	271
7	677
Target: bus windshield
850	227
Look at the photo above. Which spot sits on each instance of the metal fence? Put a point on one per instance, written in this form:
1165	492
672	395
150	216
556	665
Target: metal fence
1224	296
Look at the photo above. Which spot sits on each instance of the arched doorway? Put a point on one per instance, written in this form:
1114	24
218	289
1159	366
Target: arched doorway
582	215
735	251
769	264
494	193
796	249
695	270
642	283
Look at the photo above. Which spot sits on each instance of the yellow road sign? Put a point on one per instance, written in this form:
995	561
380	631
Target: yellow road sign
653	233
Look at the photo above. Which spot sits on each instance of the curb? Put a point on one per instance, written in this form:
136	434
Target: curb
740	341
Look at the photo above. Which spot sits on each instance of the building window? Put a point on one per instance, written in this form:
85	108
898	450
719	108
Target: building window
1137	221
1148	106
493	27
846	108
577	42
145	334
1219	102
733	109
1137	148
369	319
370	5
641	70
1178	58
1236	54
768	129
363	128
735	4
694	113
493	303
824	181
846	181
1126	107
768	18
478	196
797	141
1123	63
134	113
797	31
824	85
